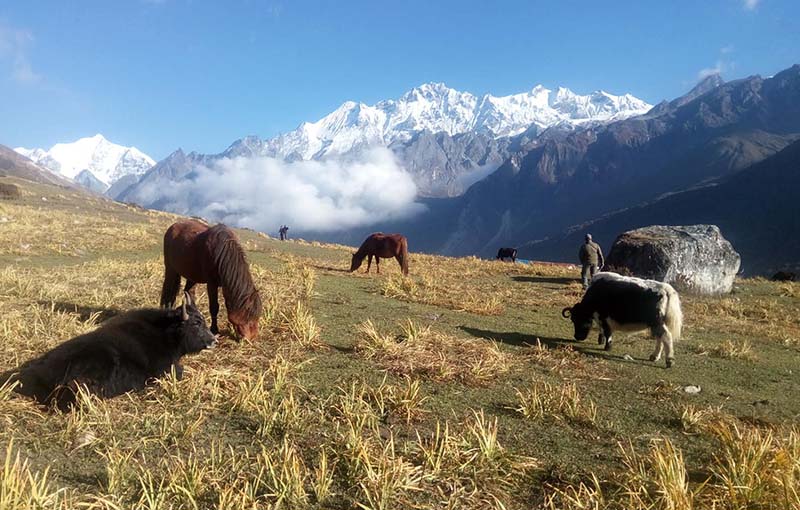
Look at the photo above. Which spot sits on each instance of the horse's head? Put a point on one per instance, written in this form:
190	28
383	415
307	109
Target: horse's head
581	320
244	328
355	262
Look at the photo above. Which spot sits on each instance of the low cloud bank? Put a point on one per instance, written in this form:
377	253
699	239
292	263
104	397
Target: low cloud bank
309	196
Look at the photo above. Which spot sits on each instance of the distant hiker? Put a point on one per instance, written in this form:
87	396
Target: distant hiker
284	231
591	259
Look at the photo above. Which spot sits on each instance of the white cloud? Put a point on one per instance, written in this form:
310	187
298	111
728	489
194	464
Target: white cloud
14	45
264	193
751	5
709	71
727	49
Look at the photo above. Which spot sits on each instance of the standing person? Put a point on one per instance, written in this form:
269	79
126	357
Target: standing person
591	259
282	233
285	232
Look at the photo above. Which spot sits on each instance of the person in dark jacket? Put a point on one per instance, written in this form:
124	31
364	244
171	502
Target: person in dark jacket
591	257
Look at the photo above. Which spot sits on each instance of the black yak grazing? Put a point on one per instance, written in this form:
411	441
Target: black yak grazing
123	354
625	303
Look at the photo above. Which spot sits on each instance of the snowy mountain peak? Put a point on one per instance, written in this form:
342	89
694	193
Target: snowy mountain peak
107	162
435	107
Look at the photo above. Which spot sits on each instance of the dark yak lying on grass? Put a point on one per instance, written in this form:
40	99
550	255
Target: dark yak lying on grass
123	354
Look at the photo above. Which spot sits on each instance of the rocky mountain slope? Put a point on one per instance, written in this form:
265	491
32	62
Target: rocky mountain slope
15	165
756	209
564	178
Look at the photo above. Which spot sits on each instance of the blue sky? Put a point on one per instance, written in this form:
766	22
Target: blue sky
163	74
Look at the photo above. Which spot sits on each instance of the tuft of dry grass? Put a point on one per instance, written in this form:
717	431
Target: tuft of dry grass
756	465
21	489
542	399
657	480
426	353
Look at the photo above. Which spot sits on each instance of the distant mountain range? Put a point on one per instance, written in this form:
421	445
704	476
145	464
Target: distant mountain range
445	138
559	181
436	108
536	170
93	162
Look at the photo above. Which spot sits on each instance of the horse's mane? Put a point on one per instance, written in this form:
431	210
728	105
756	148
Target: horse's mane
234	272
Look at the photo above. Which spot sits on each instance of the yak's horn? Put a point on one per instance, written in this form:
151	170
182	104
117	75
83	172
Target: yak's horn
185	314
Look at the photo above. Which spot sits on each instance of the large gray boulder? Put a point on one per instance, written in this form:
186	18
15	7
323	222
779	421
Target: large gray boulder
694	258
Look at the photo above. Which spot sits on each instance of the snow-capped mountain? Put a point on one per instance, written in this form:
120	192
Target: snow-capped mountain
93	161
446	139
436	108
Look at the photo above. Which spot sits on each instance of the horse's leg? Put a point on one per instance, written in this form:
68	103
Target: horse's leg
378	264
170	288
213	306
399	258
369	262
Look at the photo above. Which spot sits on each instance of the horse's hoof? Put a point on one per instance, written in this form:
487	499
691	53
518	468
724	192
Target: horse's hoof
607	347
601	340
669	362
653	357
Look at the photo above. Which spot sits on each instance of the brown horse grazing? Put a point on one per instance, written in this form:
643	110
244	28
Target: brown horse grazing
380	245
211	255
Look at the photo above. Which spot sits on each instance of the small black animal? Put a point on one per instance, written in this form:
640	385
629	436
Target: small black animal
507	253
784	276
123	354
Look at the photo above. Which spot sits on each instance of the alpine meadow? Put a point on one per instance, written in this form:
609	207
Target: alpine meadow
435	255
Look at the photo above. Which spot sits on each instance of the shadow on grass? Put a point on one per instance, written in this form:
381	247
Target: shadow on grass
587	347
516	339
84	312
329	268
545	279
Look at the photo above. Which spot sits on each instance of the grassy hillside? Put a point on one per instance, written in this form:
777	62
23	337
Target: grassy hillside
458	387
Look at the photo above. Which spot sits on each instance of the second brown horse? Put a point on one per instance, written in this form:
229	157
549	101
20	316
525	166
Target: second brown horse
211	255
380	245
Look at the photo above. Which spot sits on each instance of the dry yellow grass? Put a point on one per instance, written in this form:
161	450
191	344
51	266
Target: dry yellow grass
423	352
542	399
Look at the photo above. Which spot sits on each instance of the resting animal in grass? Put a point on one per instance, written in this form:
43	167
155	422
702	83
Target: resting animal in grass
123	354
624	303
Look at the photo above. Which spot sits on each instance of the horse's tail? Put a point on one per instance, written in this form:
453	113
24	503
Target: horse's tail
172	279
673	316
404	254
171	287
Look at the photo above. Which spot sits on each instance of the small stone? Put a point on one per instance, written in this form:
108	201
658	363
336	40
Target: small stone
628	357
44	199
691	389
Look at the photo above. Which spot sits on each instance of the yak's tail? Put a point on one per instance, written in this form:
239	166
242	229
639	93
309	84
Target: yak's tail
673	316
404	255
